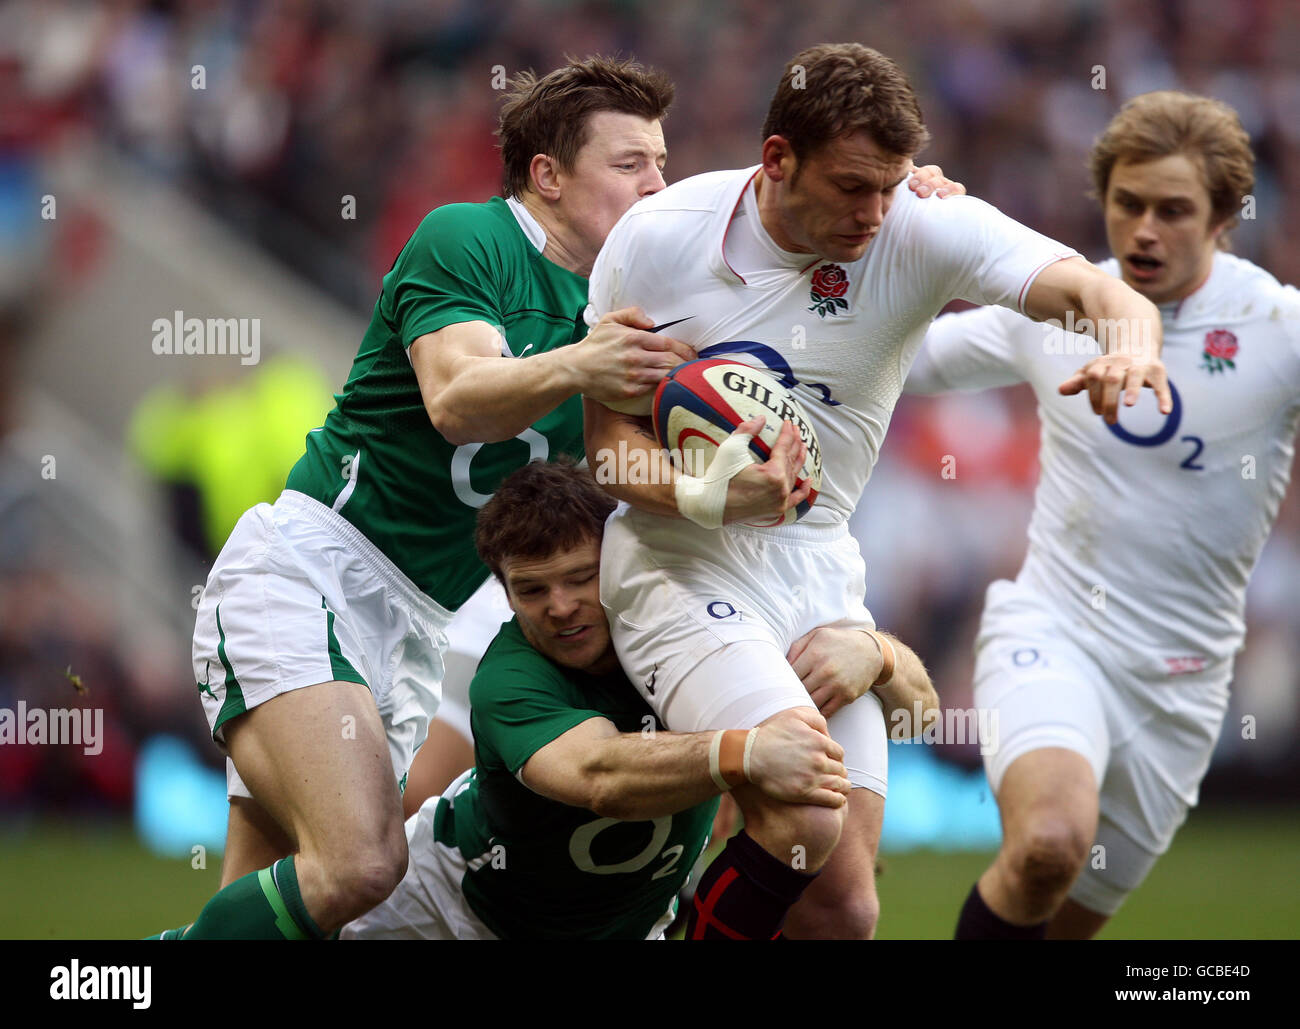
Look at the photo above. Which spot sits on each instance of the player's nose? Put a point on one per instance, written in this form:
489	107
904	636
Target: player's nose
562	604
1145	232
654	181
871	212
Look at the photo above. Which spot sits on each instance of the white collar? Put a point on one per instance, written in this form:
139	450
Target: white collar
532	228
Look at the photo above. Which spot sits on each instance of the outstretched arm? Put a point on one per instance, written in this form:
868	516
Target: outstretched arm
650	774
1123	321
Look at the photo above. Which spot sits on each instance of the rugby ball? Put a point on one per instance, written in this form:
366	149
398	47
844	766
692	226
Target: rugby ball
700	403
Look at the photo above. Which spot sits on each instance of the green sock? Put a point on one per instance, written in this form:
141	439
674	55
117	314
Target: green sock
170	934
263	905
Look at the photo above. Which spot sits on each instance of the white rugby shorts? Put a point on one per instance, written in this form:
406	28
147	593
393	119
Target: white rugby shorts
702	621
1148	738
428	903
298	596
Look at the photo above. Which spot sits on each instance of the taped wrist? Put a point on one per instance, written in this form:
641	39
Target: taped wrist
887	657
728	755
703	498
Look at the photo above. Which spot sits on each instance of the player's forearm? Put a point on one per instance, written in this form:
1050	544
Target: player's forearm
636	776
910	692
488	399
1122	320
628	461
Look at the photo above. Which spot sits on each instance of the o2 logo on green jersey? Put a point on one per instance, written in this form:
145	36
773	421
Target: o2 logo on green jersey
581	840
1165	434
463	457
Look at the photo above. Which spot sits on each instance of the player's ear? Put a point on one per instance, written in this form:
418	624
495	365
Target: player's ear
778	158
1217	231
544	173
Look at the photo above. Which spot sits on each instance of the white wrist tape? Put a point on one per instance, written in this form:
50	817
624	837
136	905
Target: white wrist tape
703	498
749	747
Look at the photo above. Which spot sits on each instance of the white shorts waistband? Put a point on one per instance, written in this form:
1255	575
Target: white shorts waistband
411	596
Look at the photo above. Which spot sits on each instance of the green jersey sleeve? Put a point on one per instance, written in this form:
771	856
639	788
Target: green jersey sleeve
454	268
519	706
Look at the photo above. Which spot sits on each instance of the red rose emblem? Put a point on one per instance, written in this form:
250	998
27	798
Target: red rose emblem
1222	344
830	280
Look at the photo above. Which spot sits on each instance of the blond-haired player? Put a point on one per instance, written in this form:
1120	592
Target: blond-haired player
1108	711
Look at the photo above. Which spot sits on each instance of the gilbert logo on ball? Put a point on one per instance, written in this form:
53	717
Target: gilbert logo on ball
700	403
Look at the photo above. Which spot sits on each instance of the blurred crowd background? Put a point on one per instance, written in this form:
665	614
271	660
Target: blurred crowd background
268	159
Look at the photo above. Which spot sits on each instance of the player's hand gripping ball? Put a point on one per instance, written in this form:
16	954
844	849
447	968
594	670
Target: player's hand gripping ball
700	403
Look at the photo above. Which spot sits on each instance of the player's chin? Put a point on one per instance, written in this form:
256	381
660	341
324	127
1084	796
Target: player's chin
581	649
845	249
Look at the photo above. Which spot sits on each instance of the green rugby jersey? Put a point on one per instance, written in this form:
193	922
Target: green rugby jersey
378	461
539	868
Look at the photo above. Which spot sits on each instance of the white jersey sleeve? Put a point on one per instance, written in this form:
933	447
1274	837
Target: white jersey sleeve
972	350
968	249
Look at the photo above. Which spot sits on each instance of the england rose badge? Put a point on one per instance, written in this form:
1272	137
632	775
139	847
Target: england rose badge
829	284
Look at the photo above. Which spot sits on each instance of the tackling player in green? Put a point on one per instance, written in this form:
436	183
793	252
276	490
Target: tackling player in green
320	630
583	817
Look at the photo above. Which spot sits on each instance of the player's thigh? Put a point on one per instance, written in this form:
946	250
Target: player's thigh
290	604
1042	699
317	759
253	840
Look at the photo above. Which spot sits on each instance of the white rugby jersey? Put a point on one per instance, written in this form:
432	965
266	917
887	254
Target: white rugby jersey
1144	534
842	337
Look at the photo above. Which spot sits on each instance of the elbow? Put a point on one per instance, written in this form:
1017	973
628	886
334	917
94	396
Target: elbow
450	427
606	799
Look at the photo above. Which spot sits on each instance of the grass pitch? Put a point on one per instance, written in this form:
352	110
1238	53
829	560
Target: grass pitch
1229	875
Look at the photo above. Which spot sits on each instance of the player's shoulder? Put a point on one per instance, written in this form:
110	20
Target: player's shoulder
939	216
1239	291
489	225
510	665
955	226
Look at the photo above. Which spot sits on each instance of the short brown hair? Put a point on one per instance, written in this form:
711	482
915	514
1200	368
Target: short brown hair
542	508
550	115
1207	132
834	89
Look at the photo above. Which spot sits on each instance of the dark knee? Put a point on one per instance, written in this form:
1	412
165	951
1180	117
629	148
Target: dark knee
1050	854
